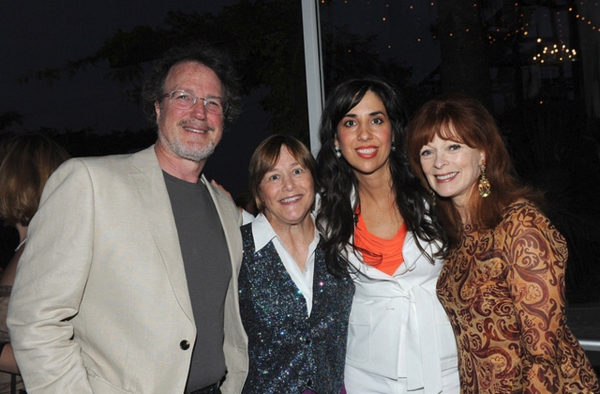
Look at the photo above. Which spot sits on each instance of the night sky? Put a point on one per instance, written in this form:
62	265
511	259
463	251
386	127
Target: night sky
36	35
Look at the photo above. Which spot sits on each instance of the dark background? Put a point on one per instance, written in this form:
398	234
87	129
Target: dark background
38	35
71	70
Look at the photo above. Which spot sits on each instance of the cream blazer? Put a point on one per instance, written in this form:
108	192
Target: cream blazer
100	303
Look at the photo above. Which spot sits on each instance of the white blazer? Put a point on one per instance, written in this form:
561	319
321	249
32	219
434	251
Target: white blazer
398	328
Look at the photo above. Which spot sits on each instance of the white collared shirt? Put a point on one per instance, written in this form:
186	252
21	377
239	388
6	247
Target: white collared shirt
262	232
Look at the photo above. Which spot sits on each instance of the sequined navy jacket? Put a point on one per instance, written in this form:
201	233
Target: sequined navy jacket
290	351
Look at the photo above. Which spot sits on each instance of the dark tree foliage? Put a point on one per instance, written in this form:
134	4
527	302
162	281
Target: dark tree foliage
86	142
7	119
464	67
265	39
555	146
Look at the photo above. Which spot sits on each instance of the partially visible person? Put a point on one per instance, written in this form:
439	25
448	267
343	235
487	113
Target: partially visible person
294	310
375	212
28	162
134	258
9	236
503	282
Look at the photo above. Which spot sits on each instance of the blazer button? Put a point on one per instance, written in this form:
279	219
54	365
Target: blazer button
184	345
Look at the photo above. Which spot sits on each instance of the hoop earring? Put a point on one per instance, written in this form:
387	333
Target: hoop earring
484	184
338	152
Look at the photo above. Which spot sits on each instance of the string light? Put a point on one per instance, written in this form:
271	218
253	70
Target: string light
522	27
555	54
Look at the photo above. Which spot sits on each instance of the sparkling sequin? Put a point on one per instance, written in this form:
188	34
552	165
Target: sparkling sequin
290	351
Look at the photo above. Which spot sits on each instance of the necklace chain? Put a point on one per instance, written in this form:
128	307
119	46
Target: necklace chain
21	244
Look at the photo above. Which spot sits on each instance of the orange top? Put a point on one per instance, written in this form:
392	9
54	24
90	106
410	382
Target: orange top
383	254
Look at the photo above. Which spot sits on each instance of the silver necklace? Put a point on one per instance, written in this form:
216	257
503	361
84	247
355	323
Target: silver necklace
21	244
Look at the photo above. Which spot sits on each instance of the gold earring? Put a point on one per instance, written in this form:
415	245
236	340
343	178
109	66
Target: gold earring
484	184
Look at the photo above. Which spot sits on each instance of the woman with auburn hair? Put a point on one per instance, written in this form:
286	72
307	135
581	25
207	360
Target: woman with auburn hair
502	284
29	161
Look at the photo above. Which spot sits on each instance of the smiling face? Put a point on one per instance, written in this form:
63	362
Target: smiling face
190	134
286	191
364	136
451	169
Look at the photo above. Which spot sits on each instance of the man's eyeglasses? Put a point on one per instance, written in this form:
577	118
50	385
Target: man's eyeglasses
185	100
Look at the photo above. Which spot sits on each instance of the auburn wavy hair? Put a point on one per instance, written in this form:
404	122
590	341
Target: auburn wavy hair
463	119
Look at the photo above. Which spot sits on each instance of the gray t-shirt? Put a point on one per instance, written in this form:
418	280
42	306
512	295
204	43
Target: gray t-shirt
208	271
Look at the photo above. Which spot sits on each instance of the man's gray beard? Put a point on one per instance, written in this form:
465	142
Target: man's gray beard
194	155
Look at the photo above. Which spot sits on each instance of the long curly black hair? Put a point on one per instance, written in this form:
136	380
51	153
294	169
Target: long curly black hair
336	219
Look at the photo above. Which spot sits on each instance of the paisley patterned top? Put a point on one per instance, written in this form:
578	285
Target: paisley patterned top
503	290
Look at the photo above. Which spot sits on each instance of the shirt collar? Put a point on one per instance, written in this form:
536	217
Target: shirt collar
263	233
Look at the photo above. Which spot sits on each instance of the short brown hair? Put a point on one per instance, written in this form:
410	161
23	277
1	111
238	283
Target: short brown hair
266	156
29	161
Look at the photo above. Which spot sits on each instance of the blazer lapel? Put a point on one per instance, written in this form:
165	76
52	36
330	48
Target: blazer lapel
156	206
231	220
